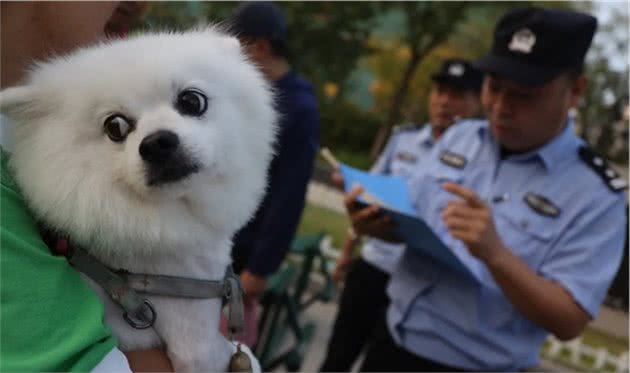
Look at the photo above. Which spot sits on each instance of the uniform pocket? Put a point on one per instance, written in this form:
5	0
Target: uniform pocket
403	169
439	196
526	233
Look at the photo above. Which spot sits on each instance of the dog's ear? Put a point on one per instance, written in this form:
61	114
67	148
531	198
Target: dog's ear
16	101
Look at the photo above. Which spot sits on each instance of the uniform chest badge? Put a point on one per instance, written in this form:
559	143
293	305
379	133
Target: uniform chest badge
406	157
453	159
541	205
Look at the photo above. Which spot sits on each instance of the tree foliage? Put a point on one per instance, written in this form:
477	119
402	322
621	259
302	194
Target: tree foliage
426	25
394	47
600	119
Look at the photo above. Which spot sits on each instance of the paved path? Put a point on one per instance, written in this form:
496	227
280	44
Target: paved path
612	322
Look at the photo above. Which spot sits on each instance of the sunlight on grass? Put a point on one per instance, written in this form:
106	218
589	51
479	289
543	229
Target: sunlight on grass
594	339
316	219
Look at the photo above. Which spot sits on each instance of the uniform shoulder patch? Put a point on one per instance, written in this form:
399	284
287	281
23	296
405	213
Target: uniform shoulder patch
453	159
406	127
406	157
601	167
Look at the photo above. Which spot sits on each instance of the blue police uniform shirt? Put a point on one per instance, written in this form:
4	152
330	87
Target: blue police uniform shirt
440	315
403	156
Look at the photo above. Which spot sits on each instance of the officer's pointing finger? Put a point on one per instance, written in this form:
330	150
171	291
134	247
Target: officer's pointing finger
471	197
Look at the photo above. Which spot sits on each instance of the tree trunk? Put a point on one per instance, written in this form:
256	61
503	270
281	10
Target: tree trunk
417	54
394	113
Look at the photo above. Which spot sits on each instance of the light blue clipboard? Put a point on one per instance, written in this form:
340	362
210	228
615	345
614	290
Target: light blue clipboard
393	193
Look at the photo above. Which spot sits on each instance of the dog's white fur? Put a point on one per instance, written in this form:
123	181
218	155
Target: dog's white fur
82	184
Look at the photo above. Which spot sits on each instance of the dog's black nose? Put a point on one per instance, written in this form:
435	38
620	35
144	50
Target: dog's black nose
159	146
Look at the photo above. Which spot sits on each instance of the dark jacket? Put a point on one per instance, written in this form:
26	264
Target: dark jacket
262	244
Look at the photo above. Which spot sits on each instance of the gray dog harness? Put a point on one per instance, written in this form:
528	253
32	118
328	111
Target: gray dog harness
125	288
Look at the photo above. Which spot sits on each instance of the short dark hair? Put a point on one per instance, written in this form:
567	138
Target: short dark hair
261	19
279	48
574	72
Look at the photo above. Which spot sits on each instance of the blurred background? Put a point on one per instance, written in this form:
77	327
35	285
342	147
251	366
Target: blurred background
370	63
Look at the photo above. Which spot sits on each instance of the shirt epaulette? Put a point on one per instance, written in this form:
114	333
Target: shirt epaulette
405	127
602	168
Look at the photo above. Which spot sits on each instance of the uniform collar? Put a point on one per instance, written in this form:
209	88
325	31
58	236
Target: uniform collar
556	151
424	137
552	154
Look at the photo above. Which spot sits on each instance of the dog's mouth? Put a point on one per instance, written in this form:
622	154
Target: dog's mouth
165	159
171	171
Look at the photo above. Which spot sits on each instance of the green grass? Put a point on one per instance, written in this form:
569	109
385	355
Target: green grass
351	158
597	339
354	159
316	219
594	339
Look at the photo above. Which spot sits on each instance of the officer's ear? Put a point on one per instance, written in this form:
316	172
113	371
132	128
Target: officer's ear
576	88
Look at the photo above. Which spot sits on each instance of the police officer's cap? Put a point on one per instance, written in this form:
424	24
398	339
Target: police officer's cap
534	45
259	19
460	74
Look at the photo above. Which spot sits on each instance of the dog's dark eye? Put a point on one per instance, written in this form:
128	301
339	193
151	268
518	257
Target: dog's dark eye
117	127
191	102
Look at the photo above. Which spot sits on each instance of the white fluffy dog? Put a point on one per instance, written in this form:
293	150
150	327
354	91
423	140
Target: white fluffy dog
149	153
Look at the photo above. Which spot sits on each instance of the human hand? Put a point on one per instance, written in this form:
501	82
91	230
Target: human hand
253	285
369	220
470	220
337	180
152	360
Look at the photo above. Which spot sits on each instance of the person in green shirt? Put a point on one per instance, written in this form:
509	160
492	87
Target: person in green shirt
50	320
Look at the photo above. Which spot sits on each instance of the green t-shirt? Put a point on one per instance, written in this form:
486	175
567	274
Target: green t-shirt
50	320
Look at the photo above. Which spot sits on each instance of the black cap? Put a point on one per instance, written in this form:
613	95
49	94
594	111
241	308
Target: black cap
460	74
259	19
534	45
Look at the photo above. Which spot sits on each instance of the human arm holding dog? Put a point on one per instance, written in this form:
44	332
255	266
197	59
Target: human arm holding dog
152	360
37	287
34	280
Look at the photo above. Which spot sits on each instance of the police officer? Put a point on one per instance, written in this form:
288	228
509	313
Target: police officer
536	216
454	94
